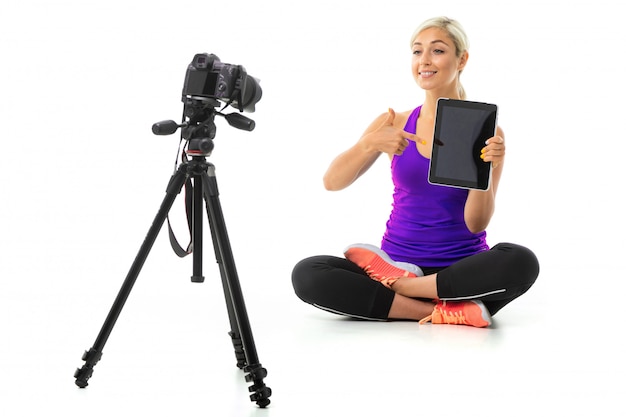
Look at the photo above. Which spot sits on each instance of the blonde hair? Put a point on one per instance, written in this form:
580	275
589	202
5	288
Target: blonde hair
456	33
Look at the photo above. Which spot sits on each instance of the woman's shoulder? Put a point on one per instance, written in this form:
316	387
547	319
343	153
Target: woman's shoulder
401	113
402	117
405	113
399	118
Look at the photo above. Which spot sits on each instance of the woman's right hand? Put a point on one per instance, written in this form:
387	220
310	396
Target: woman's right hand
386	137
382	136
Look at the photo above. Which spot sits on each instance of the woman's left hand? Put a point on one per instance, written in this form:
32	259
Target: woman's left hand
493	151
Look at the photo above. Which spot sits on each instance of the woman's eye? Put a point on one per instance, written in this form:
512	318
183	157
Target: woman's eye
417	52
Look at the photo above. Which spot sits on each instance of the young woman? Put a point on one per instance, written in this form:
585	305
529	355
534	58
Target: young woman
434	263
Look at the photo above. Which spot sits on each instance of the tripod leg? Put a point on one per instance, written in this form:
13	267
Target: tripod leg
241	331
93	355
197	231
234	332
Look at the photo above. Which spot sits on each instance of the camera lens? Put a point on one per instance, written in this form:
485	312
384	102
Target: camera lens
251	95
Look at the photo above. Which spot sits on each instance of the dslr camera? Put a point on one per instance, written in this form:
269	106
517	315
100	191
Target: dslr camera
207	77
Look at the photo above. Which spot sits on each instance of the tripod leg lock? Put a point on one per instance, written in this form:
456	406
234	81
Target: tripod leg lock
240	355
255	373
92	356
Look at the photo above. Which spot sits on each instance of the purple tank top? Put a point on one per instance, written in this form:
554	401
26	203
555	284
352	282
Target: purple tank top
426	226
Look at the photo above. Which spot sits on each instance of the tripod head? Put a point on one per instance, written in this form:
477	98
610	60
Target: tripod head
198	126
207	81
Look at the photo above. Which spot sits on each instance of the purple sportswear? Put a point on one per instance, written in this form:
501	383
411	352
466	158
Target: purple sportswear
426	226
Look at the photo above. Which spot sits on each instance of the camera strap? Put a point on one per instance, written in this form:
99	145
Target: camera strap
188	204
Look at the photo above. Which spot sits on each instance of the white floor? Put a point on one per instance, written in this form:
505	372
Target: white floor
169	355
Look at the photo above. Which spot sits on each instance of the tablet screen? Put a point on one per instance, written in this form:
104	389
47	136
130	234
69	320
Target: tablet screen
461	129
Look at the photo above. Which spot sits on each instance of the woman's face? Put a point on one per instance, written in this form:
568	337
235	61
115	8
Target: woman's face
435	64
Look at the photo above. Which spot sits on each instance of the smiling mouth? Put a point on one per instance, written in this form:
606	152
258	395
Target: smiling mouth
427	73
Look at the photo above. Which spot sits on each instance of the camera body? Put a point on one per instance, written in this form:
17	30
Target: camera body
208	77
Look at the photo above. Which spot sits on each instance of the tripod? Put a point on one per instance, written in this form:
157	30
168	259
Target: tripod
204	187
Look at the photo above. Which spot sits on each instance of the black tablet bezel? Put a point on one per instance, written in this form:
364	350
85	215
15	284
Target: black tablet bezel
481	118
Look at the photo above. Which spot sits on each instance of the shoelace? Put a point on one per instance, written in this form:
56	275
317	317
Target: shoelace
447	316
386	281
456	317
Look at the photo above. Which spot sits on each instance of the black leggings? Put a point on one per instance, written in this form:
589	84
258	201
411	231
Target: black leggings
497	277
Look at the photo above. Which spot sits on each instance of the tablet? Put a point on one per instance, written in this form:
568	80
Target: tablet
461	129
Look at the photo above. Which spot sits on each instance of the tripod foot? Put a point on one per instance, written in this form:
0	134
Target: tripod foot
82	375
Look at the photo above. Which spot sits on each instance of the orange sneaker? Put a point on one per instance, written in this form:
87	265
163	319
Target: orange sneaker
471	313
378	265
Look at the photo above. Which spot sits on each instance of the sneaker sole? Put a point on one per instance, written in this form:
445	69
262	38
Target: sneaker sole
352	253
484	313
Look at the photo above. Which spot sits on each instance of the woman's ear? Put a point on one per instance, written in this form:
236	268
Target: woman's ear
463	60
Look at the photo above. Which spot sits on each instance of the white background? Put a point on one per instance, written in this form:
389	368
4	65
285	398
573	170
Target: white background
82	177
